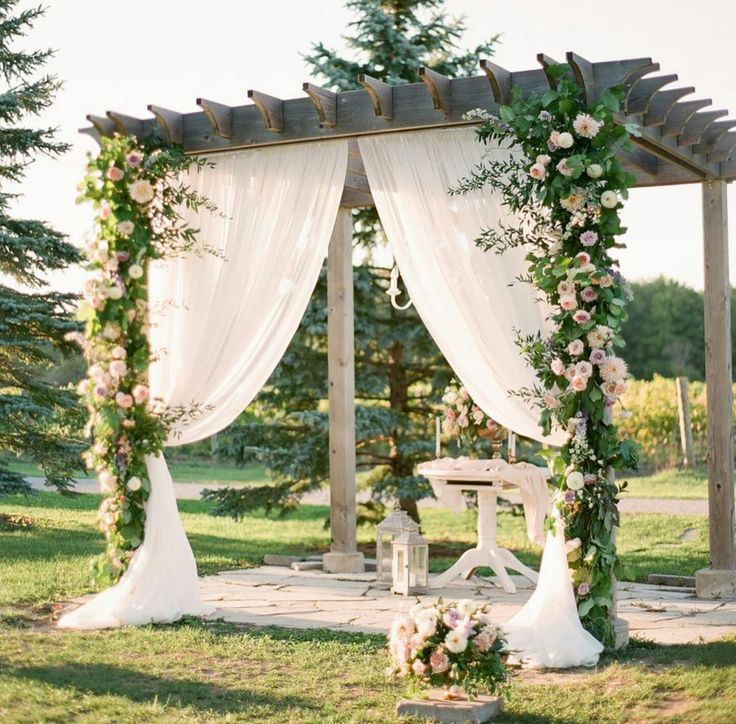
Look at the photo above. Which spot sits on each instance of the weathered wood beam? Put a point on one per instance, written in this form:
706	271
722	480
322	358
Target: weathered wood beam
728	169
103	125
642	159
712	134
271	110
127	125
219	115
171	123
696	126
343	556
720	578
500	80
439	89
724	148
662	103
641	92
621	72
325	103
381	95
679	115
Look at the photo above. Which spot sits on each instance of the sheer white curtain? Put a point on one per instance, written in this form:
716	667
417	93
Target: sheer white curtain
472	303
220	325
469	300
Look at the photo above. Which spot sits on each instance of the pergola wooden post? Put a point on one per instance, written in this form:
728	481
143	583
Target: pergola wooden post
720	578
343	556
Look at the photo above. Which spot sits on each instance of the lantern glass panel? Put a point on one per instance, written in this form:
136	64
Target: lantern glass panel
419	567
383	555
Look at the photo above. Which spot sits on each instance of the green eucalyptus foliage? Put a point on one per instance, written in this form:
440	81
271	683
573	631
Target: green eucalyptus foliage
38	417
566	187
400	374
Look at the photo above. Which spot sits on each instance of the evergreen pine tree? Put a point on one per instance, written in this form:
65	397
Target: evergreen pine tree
400	373
34	413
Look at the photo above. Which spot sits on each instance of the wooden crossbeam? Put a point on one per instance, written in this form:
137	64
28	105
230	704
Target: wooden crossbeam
325	103
724	149
381	95
271	110
171	123
439	89
661	103
127	124
219	115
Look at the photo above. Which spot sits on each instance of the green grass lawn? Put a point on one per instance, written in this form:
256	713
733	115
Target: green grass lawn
196	671
684	484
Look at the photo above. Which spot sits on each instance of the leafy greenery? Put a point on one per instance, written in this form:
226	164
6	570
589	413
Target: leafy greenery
39	418
565	188
400	373
138	198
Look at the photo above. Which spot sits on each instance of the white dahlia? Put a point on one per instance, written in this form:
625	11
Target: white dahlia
613	369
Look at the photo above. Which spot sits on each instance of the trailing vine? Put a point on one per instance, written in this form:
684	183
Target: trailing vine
138	196
565	185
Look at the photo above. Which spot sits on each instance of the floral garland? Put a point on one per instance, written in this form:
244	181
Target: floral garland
463	419
137	196
567	187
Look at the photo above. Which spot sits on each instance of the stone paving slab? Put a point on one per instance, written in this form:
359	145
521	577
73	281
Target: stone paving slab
280	596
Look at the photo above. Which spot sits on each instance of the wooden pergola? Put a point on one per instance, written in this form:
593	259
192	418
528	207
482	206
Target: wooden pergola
682	141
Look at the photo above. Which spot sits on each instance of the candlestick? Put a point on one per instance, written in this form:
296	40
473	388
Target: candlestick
512	447
437	441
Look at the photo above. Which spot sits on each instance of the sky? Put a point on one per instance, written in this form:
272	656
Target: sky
124	55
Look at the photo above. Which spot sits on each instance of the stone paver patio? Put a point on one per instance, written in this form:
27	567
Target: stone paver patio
280	596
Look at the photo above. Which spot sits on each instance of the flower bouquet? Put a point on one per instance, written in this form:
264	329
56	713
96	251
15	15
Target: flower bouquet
451	645
464	420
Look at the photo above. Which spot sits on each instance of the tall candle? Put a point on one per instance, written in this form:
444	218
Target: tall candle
512	446
437	441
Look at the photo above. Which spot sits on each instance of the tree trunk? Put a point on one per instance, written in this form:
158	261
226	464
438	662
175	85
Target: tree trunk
399	401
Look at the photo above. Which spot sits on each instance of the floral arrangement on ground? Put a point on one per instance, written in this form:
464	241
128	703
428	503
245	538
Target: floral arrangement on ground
565	186
453	645
138	193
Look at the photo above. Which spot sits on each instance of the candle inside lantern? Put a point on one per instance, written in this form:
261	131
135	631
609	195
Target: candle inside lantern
437	442
512	446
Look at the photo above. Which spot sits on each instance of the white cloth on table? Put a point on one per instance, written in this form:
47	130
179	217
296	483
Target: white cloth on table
546	632
531	481
471	301
219	326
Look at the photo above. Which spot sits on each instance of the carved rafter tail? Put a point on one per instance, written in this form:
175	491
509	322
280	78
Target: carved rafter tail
102	124
546	62
680	113
381	95
271	110
500	81
325	103
712	135
219	115
127	125
661	103
583	72
724	149
697	125
439	89
642	92
171	123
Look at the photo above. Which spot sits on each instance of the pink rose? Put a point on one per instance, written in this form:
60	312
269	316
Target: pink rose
439	661
597	356
605	281
588	238
568	302
620	388
140	394
583	257
418	667
579	383
565	289
590	478
584	369
550	401
589	294
538	171
123	400
576	347
118	352
118	368
482	642
122	255
570	372
557	366
115	174
581	316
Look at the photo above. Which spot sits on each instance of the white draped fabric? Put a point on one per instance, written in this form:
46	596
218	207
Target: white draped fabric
469	300
471	303
219	326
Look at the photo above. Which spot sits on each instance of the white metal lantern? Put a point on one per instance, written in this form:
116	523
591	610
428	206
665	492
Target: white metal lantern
387	531
410	567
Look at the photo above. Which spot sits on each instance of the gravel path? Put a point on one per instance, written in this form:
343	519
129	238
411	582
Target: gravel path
191	491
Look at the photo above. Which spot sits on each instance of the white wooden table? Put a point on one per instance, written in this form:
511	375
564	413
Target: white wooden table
488	484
